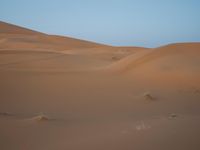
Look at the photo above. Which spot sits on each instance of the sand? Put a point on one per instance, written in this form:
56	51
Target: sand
64	93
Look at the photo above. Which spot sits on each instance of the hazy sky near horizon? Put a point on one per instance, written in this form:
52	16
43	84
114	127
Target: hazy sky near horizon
148	23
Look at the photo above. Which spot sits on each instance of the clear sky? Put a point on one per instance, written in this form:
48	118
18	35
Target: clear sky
148	23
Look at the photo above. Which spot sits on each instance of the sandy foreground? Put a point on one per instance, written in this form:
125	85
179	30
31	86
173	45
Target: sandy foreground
59	93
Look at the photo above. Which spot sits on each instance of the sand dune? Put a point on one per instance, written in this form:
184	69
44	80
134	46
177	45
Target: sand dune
96	97
30	50
182	52
174	63
15	37
84	59
6	28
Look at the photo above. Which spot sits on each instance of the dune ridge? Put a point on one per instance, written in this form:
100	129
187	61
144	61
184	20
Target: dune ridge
15	37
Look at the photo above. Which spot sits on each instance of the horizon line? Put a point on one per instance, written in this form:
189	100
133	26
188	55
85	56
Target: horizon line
92	41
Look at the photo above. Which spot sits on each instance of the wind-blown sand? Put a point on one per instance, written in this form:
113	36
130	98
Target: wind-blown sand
63	93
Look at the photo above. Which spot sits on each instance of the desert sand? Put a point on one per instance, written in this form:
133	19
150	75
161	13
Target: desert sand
61	93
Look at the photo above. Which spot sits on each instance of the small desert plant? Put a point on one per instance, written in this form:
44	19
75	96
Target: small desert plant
148	96
196	91
115	58
172	116
5	114
40	118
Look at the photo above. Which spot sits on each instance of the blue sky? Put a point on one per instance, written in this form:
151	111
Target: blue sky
148	23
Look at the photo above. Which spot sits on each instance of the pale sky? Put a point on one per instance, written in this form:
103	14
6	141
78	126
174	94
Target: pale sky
148	23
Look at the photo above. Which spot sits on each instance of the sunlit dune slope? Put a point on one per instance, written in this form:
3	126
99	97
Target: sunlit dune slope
24	49
174	56
15	37
167	65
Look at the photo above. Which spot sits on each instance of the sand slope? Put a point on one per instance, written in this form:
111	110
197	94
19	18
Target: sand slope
62	93
15	37
174	63
182	52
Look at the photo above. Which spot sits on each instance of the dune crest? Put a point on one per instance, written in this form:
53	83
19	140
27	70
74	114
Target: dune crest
15	37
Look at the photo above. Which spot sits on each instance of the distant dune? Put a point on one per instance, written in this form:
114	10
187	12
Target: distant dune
182	53
15	37
172	64
59	93
28	49
6	28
